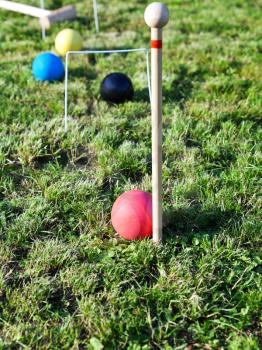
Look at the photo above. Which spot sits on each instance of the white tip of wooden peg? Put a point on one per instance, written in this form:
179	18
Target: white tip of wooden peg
156	15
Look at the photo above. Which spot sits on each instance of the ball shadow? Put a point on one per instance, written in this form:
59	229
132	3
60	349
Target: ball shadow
141	95
82	72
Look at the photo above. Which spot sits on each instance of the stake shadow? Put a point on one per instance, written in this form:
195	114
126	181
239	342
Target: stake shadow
180	89
195	220
182	86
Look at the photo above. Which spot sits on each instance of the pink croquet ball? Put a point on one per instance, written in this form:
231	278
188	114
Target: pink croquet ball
132	215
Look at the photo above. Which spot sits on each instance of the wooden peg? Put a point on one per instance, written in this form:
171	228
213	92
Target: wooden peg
156	17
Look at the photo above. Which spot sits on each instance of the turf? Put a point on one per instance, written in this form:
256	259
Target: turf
67	280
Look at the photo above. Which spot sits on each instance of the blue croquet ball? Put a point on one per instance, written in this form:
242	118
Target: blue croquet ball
116	88
48	66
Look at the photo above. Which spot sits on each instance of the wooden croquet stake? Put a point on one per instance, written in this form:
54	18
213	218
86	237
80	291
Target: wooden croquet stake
156	17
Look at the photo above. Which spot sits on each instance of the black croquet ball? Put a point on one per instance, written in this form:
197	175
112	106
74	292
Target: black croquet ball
116	88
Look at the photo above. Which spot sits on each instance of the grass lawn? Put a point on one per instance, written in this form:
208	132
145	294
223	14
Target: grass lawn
67	281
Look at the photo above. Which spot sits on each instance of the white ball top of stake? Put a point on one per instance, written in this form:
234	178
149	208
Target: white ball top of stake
156	15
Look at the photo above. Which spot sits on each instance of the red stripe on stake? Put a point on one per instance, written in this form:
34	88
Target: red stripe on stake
156	44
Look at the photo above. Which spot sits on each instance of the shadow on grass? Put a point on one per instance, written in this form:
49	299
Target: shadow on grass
87	21
56	4
181	87
196	220
183	84
62	300
141	95
82	72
